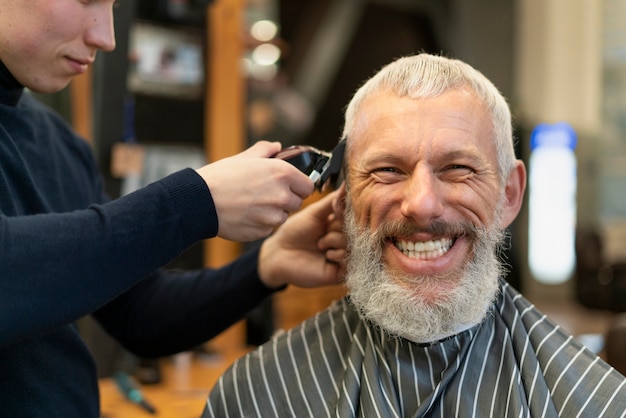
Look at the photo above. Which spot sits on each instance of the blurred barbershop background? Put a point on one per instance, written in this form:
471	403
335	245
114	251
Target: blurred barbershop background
198	80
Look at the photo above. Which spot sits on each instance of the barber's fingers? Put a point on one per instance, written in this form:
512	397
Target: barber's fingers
336	255
299	184
259	204
285	175
252	193
334	246
257	223
334	236
262	149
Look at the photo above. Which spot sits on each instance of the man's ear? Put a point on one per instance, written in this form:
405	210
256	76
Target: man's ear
514	193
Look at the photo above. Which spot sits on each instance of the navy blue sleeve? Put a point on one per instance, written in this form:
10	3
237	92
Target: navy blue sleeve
173	311
88	257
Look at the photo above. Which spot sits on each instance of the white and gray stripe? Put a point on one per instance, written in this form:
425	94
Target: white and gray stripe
516	363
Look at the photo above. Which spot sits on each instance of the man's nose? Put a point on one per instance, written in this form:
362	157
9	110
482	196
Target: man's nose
422	200
101	34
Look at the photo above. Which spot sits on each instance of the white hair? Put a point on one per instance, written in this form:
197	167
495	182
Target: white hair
425	75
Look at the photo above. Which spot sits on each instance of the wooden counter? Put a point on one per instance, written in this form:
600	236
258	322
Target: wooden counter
186	382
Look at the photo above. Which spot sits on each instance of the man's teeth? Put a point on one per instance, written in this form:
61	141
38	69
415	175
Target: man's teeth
426	249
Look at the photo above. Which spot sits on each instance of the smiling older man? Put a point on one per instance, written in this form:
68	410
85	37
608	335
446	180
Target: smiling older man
429	328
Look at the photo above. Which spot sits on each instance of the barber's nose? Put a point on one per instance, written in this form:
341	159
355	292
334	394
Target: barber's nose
422	200
102	33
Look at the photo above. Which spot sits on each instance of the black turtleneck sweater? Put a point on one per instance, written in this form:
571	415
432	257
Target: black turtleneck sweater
67	251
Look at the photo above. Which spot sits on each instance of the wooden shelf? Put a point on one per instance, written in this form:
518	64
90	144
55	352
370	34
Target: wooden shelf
225	95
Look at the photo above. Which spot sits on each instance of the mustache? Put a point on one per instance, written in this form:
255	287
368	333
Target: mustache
436	228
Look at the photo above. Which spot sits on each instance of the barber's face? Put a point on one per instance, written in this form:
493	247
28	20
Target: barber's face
428	167
45	43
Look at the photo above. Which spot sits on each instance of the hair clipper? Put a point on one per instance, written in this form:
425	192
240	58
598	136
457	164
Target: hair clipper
322	167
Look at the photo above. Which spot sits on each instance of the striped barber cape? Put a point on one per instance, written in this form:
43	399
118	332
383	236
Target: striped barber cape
516	363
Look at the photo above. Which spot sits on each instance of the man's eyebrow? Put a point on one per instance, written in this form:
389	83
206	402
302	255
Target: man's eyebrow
380	156
466	153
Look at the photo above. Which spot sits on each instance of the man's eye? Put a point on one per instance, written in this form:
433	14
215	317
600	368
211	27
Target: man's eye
386	170
460	167
457	172
386	175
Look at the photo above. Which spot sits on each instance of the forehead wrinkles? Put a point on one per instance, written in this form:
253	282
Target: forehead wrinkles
370	137
385	116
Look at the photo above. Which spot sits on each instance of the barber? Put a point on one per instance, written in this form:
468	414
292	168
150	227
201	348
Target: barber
67	250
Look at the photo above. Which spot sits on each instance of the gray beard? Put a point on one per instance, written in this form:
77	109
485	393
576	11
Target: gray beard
377	295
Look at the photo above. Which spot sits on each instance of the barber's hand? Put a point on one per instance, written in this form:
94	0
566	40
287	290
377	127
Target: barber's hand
308	250
253	193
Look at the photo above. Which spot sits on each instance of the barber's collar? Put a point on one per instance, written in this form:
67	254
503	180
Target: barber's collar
10	89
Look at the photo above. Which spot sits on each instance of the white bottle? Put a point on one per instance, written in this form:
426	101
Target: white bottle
552	203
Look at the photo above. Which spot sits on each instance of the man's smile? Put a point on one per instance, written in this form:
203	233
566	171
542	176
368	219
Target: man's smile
424	250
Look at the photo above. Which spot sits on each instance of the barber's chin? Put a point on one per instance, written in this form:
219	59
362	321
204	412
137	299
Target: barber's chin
53	85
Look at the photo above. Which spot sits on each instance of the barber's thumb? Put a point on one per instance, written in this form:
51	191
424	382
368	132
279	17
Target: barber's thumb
324	206
263	149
